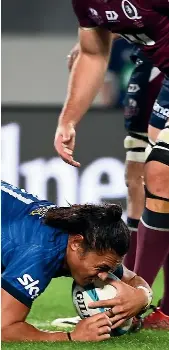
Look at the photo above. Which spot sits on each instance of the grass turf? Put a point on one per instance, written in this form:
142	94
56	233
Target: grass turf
56	302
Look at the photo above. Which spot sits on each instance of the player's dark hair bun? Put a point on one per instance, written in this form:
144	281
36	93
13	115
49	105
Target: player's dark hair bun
115	211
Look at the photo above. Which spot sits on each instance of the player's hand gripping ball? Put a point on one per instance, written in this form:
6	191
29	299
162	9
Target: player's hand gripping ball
82	296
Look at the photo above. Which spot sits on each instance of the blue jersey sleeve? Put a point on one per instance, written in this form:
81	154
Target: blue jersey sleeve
25	277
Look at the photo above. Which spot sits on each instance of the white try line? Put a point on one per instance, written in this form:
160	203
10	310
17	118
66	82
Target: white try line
58	322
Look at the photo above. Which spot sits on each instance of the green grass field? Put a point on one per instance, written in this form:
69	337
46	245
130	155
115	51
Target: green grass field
56	302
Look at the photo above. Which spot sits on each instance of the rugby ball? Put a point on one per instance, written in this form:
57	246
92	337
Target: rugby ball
82	296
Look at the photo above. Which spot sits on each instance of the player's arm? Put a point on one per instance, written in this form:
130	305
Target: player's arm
73	54
87	74
134	280
85	80
107	93
14	326
23	280
129	277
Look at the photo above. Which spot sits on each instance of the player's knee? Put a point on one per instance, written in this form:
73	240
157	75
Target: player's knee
160	151
149	148
135	145
156	211
134	172
153	133
157	178
134	182
157	166
135	187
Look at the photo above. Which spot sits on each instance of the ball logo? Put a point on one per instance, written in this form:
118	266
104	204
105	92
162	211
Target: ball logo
81	303
130	10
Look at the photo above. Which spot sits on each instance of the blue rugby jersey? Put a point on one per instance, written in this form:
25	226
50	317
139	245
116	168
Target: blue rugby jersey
32	252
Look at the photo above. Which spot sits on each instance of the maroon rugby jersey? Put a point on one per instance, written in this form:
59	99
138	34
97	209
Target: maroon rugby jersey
145	22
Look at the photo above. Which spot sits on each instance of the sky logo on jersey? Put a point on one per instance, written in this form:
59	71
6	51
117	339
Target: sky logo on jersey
30	285
130	10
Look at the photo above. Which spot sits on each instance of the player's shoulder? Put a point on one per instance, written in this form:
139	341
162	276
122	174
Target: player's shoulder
152	4
80	3
13	192
17	203
81	7
144	3
17	193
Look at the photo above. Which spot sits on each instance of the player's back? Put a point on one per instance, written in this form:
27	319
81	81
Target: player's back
19	224
31	251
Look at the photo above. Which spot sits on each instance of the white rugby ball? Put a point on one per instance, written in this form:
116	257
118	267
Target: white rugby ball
82	296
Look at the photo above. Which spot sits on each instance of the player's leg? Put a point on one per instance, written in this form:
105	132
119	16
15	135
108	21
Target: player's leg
153	246
153	232
142	91
135	202
153	237
164	304
159	318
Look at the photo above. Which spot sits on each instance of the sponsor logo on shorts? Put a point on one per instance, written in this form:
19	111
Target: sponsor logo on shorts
132	102
30	285
160	111
131	109
130	10
132	88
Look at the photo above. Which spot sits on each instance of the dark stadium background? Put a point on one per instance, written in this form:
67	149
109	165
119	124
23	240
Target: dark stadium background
99	148
36	38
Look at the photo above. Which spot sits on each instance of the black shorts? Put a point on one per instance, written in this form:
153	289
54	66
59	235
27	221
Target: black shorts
160	112
143	89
